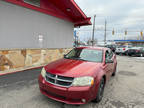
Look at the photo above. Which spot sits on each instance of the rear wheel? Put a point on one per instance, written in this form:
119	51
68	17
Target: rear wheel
129	54
100	91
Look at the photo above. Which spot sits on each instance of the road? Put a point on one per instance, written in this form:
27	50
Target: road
125	90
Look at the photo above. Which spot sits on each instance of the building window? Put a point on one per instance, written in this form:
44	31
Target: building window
33	2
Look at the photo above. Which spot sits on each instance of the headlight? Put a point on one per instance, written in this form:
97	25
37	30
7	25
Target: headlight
43	72
83	81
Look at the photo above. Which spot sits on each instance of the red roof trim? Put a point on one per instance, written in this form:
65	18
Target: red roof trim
87	20
79	9
55	14
84	22
76	15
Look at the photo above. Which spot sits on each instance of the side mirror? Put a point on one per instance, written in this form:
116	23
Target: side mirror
64	55
109	61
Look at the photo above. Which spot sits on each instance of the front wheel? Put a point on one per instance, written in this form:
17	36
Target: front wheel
100	91
114	73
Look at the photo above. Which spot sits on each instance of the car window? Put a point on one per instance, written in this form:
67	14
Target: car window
121	46
129	46
109	54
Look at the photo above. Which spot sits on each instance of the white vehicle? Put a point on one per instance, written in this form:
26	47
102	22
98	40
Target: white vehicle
122	49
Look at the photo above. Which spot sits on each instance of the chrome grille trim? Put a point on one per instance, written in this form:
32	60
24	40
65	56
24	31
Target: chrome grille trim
59	80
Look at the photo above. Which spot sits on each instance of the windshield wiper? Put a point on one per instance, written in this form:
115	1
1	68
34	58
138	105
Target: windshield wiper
70	57
75	58
80	59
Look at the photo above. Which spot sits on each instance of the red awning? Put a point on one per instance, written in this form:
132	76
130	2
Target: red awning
72	10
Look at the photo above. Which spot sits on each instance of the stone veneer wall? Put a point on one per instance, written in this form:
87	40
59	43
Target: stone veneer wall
21	58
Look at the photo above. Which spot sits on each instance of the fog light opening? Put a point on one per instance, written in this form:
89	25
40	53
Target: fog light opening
83	100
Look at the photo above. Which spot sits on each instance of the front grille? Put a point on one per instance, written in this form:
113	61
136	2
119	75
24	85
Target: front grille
59	80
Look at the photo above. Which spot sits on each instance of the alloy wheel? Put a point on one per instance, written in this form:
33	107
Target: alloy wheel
101	89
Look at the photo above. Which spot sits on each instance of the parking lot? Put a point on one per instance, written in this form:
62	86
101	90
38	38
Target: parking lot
125	90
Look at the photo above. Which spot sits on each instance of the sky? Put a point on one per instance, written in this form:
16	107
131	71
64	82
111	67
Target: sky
120	15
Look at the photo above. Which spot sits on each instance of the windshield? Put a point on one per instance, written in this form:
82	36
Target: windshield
121	47
91	55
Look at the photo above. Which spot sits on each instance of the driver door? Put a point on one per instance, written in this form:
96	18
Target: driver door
108	66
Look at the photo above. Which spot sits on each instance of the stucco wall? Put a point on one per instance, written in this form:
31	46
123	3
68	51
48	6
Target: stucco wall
20	28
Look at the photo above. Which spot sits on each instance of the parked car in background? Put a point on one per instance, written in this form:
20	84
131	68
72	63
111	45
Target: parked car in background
136	51
112	47
142	52
80	76
122	49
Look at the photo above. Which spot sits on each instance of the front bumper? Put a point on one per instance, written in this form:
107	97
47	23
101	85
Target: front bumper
71	95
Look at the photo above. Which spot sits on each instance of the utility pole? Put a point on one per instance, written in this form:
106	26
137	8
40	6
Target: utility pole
93	31
75	38
105	32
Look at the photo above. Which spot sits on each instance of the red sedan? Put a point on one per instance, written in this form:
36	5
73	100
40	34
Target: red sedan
80	76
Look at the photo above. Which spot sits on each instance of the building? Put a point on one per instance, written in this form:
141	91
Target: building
139	43
35	32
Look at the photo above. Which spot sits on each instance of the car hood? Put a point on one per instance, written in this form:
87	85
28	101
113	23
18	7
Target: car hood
73	68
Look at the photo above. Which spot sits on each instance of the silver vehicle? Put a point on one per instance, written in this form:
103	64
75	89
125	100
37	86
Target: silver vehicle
122	49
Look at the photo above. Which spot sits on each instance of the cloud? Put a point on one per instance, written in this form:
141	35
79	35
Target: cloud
120	15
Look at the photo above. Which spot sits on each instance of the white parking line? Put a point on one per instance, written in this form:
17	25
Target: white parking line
141	58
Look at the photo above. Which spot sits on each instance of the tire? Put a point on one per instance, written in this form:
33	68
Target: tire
127	54
114	73
100	91
124	53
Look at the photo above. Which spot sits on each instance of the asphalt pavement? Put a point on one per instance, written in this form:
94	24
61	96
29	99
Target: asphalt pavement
125	90
23	76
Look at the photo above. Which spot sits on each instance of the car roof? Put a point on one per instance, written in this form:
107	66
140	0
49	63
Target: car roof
93	47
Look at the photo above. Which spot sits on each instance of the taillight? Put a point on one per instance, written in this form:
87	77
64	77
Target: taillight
137	50
123	48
